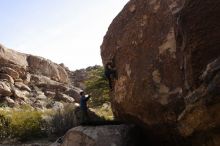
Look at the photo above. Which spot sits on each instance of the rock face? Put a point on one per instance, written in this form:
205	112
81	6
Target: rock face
113	135
28	79
12	57
160	49
47	68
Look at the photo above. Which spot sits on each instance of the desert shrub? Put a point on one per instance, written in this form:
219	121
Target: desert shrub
3	105
5	129
62	120
21	124
104	111
26	125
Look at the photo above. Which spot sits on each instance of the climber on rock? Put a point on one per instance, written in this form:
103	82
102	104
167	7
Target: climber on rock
110	73
83	107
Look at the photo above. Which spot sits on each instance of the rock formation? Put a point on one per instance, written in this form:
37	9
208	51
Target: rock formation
28	79
162	50
107	135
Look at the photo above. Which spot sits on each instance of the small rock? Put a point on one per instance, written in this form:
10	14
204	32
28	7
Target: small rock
27	78
132	8
50	94
39	104
18	80
10	102
7	77
56	105
22	86
64	97
41	96
13	73
5	89
20	101
19	94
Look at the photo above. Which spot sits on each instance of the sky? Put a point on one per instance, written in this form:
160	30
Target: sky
64	31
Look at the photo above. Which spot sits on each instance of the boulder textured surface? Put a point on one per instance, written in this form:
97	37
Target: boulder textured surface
160	50
47	68
112	135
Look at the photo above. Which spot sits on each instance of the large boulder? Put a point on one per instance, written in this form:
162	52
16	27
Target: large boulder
141	42
160	49
41	66
12	57
112	135
47	84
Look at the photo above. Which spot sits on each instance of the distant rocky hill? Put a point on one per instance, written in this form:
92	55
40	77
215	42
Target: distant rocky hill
78	77
33	80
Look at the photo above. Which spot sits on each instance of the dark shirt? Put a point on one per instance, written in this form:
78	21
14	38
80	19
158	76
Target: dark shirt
107	73
83	102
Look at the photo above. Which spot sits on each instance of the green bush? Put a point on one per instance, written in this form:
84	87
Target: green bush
26	125
5	129
21	124
97	85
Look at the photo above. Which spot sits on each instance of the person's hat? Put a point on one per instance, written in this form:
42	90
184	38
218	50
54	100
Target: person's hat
81	92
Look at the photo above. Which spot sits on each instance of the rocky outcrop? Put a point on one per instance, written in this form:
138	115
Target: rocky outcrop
41	66
160	50
12	57
28	79
112	135
11	72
